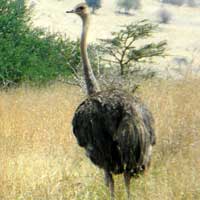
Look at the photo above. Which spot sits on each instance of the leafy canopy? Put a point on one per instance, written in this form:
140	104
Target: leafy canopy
128	4
122	48
94	4
29	54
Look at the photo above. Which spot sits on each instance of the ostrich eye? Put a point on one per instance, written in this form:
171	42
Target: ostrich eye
81	8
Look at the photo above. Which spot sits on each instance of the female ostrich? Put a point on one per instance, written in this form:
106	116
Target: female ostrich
114	127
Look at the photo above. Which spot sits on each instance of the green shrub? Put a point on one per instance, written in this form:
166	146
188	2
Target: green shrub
174	2
129	4
94	4
123	50
164	16
28	54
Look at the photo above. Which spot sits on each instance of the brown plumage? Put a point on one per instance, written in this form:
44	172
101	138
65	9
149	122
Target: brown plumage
115	128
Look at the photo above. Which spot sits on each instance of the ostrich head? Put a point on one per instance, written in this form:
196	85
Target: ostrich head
81	9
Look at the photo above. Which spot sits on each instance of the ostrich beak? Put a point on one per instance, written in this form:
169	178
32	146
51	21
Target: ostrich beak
70	11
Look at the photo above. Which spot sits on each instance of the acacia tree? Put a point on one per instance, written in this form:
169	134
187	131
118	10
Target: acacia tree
128	4
123	51
94	4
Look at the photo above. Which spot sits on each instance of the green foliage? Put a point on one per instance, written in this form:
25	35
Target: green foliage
28	54
128	4
122	48
164	16
94	4
174	2
191	3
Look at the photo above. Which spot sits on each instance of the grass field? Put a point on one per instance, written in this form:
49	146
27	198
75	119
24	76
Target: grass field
40	159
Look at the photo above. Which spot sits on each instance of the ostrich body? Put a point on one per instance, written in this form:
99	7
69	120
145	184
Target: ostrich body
114	127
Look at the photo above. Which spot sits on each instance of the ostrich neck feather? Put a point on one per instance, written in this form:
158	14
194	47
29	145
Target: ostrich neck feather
91	82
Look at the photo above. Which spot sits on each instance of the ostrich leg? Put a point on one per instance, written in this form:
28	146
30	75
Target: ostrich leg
110	183
127	180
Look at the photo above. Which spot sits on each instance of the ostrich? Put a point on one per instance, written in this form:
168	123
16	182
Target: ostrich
114	127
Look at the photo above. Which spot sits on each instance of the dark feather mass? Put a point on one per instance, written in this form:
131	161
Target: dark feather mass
116	130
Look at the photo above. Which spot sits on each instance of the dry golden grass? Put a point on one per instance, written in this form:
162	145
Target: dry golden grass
40	159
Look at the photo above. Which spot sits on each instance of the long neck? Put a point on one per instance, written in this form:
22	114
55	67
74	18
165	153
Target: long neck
91	82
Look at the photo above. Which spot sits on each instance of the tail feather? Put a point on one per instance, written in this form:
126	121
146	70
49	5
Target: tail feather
133	141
